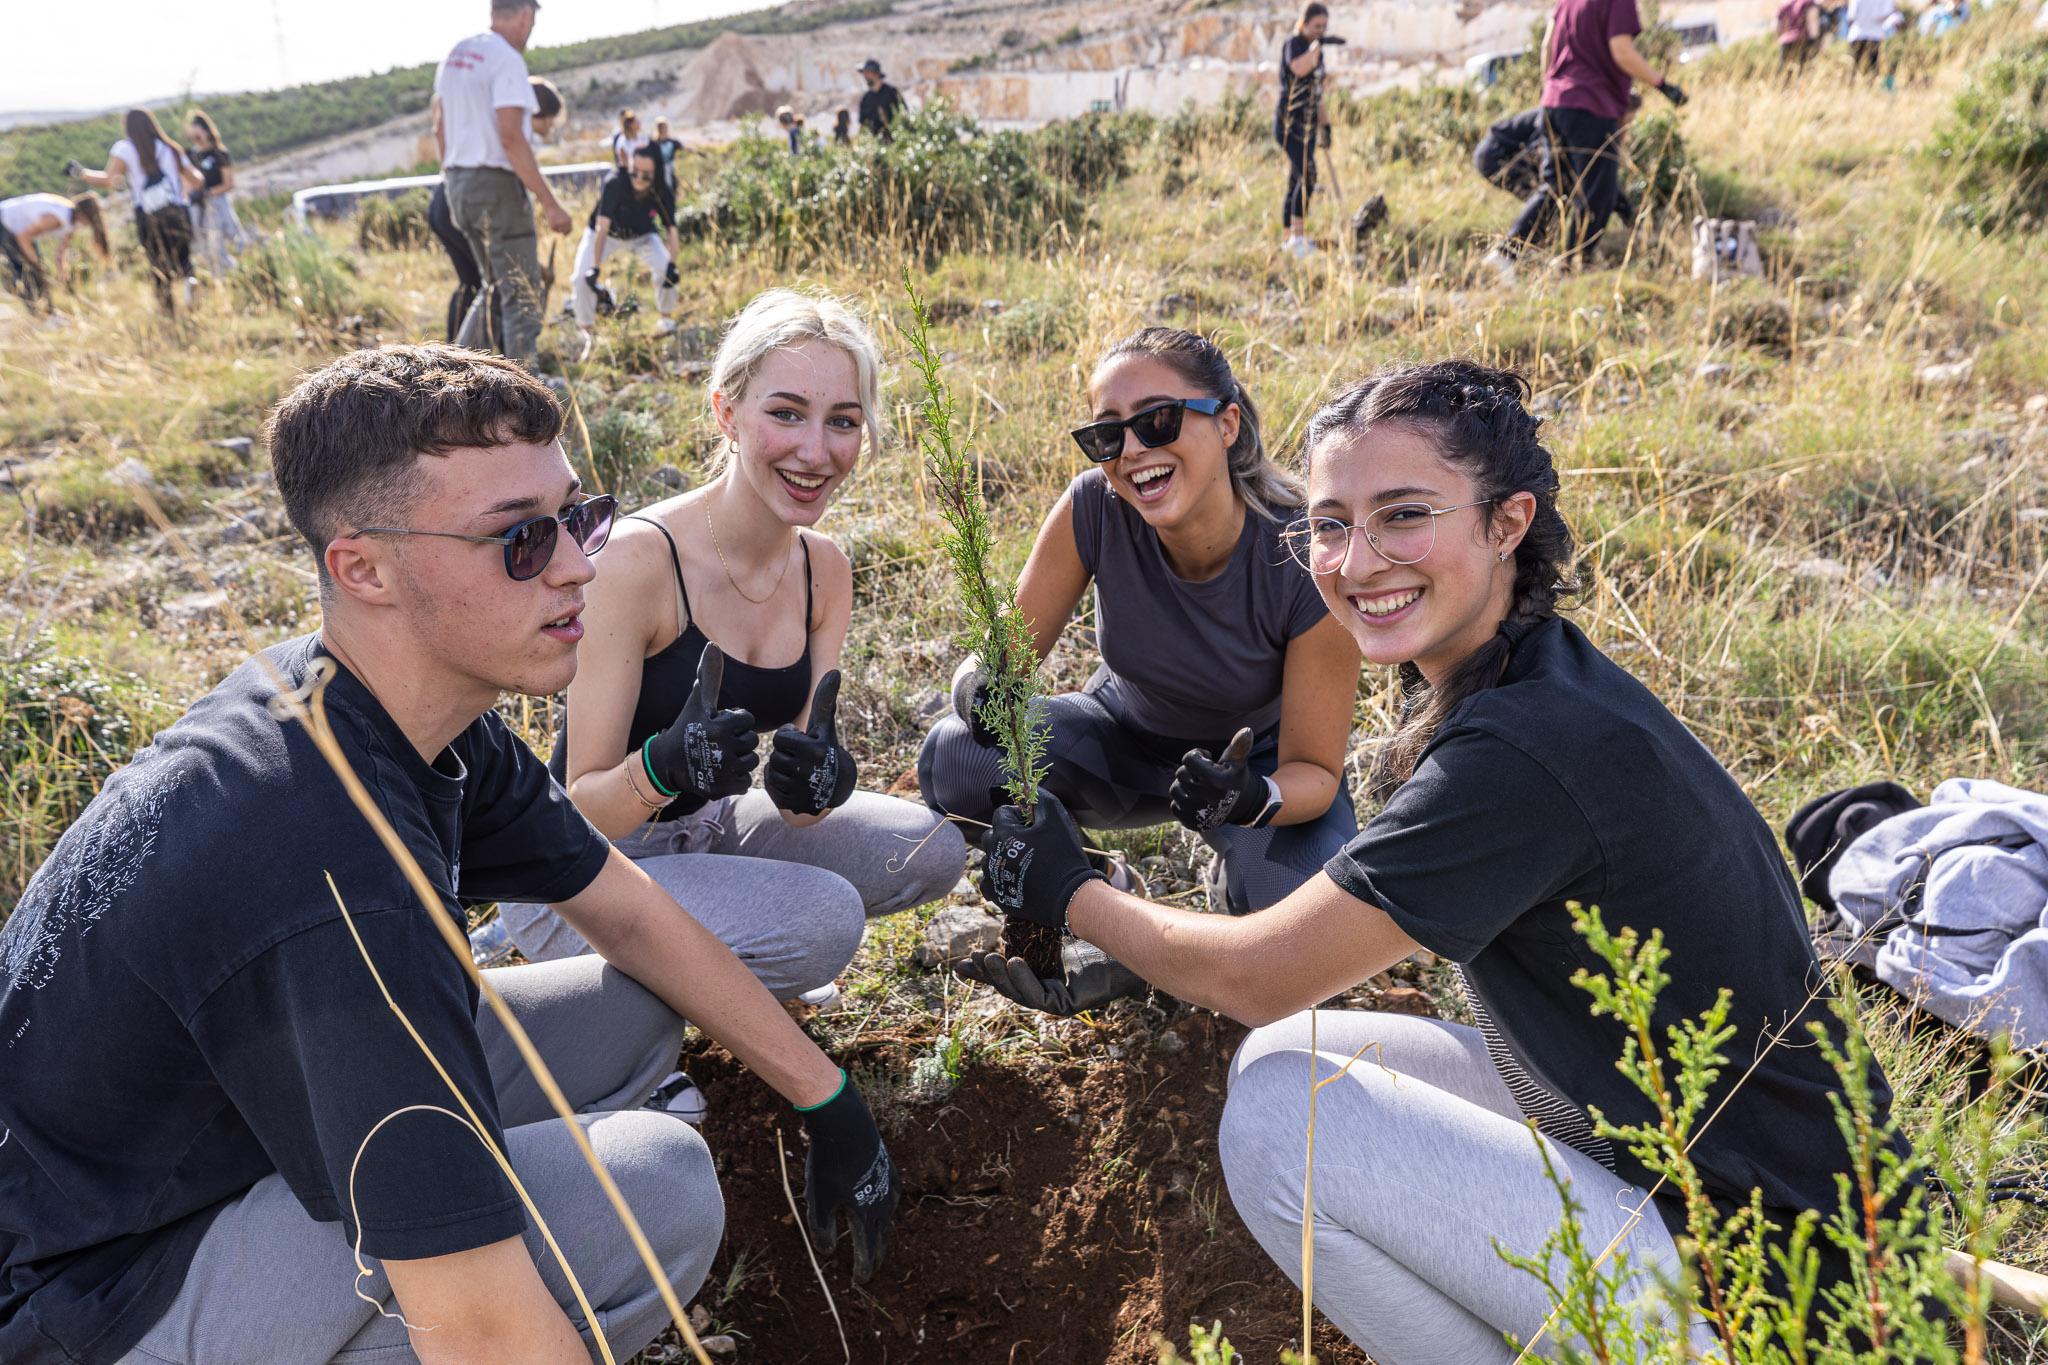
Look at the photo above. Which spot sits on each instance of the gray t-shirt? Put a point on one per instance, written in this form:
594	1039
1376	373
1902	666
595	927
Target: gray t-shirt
1189	660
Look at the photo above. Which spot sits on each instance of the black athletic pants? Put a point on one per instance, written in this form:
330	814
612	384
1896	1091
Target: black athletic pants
468	278
1301	176
24	270
166	238
1582	172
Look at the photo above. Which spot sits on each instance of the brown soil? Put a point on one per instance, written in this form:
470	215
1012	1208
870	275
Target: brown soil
1053	1211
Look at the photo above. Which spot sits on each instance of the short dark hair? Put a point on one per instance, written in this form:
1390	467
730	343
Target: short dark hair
546	96
345	443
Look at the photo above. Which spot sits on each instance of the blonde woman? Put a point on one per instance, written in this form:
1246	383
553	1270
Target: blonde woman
712	640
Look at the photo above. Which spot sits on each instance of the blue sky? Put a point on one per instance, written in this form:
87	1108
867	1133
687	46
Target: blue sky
90	56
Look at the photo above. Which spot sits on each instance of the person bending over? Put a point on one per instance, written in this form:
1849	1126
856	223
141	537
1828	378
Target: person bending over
1530	771
468	278
158	175
627	212
26	221
722	616
1224	697
201	944
1511	154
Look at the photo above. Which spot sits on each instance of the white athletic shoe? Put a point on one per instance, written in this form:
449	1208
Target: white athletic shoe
680	1096
1299	247
191	283
589	344
824	999
1502	265
664	327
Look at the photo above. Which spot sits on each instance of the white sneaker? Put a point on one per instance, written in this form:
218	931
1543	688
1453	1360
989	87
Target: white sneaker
191	283
680	1096
664	327
824	999
1300	247
589	344
1502	265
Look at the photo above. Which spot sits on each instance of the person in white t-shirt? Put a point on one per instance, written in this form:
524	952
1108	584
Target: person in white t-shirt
624	140
26	221
158	175
1870	23
484	123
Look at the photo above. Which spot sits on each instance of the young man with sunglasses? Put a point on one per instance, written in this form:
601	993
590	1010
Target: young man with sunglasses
218	1141
1224	700
628	210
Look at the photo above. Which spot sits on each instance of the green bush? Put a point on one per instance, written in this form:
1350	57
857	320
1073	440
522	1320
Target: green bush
1662	162
1092	152
941	185
299	271
65	725
1414	125
1994	144
1240	117
394	224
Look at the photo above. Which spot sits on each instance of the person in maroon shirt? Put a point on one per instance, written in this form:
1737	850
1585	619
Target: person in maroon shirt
1589	59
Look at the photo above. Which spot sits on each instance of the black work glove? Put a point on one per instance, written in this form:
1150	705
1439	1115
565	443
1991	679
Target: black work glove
590	277
707	752
970	695
1670	91
1324	137
1225	791
1032	871
671	276
849	1167
1089	979
809	773
75	168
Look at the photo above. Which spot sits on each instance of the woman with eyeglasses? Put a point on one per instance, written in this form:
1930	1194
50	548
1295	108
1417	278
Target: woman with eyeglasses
717	620
629	210
1224	698
1529	772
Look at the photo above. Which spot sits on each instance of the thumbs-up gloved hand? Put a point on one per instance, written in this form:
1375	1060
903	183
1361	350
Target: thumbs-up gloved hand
706	753
1209	792
809	772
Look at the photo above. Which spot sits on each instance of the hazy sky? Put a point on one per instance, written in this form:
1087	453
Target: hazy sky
90	56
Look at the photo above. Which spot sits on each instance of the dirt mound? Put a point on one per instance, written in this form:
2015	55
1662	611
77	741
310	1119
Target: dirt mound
727	84
1053	1211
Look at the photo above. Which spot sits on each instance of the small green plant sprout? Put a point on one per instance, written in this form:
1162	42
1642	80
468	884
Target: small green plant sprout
996	632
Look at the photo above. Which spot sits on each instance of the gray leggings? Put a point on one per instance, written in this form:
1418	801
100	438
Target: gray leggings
1112	775
269	1286
1423	1165
790	902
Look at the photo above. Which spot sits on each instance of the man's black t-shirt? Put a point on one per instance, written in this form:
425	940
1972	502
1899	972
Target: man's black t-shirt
1571	782
633	215
878	109
183	1010
211	164
1295	113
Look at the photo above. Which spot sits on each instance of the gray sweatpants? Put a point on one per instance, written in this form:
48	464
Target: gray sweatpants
1423	1165
491	208
269	1286
790	902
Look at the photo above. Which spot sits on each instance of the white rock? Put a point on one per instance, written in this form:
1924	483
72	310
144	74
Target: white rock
1946	376
955	932
135	472
1713	369
2037	406
1823	569
2033	514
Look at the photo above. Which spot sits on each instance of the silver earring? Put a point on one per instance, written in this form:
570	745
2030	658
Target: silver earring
1502	556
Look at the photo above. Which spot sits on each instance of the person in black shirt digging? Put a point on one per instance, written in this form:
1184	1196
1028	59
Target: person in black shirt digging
1530	771
880	105
627	212
218	1142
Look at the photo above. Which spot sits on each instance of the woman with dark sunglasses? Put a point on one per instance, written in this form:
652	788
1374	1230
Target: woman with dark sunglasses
718	621
1224	698
1529	772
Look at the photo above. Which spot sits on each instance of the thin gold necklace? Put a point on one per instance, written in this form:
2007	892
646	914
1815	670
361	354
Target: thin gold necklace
757	601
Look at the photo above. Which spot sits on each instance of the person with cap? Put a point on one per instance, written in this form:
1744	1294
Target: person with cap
880	105
792	125
484	123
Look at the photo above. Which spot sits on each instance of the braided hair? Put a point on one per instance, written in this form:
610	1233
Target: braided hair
1476	418
1265	487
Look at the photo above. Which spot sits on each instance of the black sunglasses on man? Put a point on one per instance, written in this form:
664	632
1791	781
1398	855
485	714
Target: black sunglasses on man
531	544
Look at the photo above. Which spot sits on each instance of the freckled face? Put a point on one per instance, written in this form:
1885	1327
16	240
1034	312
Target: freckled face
1438	610
799	427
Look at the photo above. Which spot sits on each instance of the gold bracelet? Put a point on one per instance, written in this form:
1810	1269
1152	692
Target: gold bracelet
634	787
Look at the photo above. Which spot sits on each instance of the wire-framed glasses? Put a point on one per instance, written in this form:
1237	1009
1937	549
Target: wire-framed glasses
531	544
1401	532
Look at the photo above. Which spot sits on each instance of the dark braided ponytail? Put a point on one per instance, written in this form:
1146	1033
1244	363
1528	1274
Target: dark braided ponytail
1474	415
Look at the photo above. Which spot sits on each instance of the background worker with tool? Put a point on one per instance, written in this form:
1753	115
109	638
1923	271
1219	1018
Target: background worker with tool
1299	117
